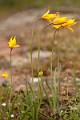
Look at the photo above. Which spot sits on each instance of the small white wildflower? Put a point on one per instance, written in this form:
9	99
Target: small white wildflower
3	104
77	79
61	111
36	79
12	115
73	108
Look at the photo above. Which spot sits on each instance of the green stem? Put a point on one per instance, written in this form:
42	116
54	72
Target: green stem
11	65
58	56
54	79
31	52
11	82
38	63
38	60
52	55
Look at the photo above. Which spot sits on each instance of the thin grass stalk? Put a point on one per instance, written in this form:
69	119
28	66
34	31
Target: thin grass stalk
31	55
30	86
48	86
53	94
40	82
31	101
38	59
55	79
56	89
36	104
52	51
58	63
38	66
44	90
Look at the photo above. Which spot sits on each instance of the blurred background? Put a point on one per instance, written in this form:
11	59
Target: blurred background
10	6
22	17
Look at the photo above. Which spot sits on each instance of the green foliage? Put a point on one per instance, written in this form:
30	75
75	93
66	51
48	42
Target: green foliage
25	106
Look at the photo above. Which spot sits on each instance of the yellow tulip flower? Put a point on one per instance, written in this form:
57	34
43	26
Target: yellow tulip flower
40	73
58	22
5	75
12	43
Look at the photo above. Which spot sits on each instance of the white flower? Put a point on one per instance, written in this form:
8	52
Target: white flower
3	104
36	79
73	108
61	111
12	115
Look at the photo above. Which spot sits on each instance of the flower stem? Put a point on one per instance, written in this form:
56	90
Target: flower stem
54	78
31	53
10	81
11	65
52	55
